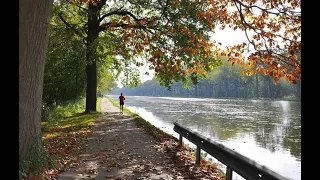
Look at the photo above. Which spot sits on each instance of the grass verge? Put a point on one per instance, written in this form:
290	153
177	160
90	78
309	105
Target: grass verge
65	138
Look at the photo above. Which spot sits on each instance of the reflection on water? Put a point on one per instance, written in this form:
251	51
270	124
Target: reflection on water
268	132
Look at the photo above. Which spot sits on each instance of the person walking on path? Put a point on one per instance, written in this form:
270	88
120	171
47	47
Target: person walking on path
121	98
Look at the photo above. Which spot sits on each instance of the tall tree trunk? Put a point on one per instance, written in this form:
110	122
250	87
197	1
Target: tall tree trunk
91	67
34	19
91	93
77	75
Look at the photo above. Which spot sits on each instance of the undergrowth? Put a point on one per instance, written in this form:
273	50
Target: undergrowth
64	130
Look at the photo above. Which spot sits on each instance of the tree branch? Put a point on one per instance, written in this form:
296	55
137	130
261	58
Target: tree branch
79	6
138	26
263	9
246	24
121	13
71	27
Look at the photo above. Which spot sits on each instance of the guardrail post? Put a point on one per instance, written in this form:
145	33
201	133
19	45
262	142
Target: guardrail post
198	157
229	173
180	140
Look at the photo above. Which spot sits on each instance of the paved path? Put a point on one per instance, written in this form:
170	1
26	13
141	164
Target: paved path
117	149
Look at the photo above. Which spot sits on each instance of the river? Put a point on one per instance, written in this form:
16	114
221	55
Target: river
266	131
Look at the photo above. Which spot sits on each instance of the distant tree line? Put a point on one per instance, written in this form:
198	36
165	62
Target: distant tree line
225	82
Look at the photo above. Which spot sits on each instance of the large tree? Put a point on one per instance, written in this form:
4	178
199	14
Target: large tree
34	18
65	71
173	36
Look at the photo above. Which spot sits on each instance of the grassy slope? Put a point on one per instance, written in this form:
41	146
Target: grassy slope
66	138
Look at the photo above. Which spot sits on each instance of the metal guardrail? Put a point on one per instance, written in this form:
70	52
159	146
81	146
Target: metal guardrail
234	161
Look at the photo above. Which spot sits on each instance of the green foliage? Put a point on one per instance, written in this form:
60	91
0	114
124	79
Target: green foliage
131	77
60	113
66	109
55	114
64	78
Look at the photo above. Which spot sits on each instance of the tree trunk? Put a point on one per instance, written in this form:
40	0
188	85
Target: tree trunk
257	87
270	88
91	67
91	93
245	90
227	87
265	86
220	90
34	19
298	91
237	87
196	90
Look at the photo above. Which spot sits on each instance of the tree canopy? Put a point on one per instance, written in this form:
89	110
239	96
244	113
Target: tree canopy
174	34
173	37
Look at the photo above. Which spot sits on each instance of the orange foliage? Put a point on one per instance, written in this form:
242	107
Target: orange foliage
268	22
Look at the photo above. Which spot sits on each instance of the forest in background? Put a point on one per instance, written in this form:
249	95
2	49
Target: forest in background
225	81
